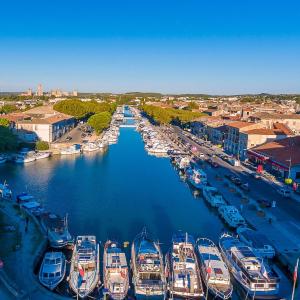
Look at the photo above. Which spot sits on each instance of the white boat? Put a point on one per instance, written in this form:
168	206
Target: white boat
90	147
57	230
147	267
115	271
74	149
213	197
257	241
252	272
84	272
182	270
22	158
41	155
5	191
52	270
231	216
2	159
214	271
197	177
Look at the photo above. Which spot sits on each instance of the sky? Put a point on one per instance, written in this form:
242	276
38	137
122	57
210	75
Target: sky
178	46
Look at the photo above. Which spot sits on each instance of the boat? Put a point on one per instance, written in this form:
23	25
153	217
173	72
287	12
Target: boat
3	159
254	275
52	270
22	158
259	242
115	271
213	269
5	191
24	197
84	272
57	230
197	178
182	269
231	216
147	267
74	149
213	197
41	155
90	147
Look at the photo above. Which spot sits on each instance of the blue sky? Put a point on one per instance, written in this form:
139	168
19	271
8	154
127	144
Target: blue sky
186	46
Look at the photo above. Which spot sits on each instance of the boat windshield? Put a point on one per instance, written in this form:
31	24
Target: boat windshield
52	261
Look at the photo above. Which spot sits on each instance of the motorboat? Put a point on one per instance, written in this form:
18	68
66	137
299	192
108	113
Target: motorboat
197	178
74	149
5	190
253	273
41	155
148	275
260	244
84	272
52	270
213	196
57	230
231	216
24	197
25	157
182	269
214	271
90	147
3	159
115	271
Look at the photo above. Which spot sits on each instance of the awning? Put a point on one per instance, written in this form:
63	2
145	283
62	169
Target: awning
258	155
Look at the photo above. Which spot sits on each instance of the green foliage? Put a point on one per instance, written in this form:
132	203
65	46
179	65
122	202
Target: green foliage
100	121
8	141
192	105
4	122
80	109
8	108
41	145
168	115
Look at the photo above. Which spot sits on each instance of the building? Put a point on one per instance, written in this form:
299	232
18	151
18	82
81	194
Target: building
292	121
281	157
39	90
28	93
244	135
41	123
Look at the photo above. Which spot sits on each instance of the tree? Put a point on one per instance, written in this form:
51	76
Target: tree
8	141
8	108
41	145
4	122
100	121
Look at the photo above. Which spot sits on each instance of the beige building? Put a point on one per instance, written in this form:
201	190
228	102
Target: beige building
244	135
292	121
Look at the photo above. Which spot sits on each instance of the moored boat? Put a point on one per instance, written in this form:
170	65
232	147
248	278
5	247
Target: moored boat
74	149
90	147
52	270
147	267
213	197
5	191
57	230
197	178
84	272
182	270
231	216
259	242
254	275
115	271
214	271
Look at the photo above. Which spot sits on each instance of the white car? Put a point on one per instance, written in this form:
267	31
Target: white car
201	155
284	192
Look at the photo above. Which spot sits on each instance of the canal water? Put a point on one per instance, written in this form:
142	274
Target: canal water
116	193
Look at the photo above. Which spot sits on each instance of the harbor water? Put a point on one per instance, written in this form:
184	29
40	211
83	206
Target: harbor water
114	194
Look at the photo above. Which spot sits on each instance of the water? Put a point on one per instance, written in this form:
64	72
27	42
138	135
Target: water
115	194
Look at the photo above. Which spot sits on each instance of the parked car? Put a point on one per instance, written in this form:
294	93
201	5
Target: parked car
245	187
284	192
68	138
265	202
201	155
255	175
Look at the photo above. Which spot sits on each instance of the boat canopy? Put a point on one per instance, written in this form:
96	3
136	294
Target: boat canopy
147	247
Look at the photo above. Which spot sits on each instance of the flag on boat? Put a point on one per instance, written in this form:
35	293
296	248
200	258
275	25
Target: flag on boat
295	275
81	270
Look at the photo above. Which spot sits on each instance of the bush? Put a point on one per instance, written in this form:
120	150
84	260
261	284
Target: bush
41	145
4	122
100	121
8	108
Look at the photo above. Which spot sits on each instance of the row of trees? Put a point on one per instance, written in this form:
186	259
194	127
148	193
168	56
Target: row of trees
80	109
100	121
170	115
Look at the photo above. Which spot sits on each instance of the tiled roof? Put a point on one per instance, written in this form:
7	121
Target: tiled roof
282	150
262	115
265	131
239	124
